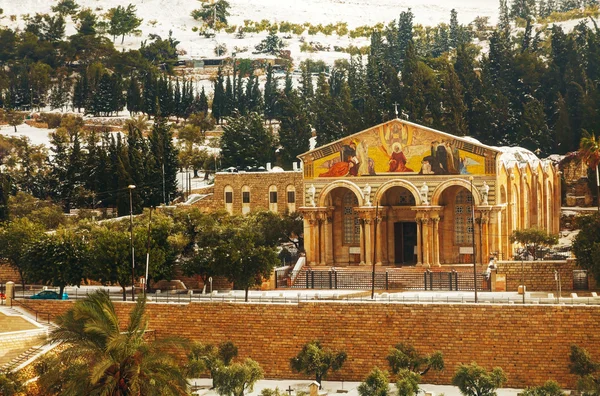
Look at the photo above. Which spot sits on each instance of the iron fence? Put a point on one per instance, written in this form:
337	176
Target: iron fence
388	280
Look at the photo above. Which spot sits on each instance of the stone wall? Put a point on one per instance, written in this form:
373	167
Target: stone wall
258	184
539	275
7	273
531	343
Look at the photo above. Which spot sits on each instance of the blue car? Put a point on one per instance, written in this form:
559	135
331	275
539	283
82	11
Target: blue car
49	295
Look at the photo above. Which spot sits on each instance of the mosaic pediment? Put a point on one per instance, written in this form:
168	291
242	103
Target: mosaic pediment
398	147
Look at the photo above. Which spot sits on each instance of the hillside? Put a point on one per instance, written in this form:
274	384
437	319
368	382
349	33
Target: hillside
162	16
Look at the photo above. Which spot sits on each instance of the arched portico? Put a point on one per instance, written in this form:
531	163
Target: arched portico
398	183
437	193
323	196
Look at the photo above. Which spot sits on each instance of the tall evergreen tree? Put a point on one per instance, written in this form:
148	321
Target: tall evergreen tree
165	169
219	97
246	142
134	96
270	94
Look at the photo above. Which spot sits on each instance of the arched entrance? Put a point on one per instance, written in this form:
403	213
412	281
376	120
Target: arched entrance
456	224
399	228
342	239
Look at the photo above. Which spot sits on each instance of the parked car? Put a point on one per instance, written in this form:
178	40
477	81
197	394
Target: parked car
49	295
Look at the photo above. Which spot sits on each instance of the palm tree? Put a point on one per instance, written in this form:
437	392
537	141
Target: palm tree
100	359
589	150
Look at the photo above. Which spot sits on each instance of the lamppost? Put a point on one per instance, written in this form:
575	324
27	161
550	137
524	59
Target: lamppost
473	238
131	187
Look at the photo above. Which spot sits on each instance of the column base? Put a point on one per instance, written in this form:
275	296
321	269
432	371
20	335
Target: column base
419	265
362	263
378	264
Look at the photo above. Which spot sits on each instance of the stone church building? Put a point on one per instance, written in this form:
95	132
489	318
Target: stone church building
403	194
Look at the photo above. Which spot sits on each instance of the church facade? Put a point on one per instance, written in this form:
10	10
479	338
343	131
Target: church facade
403	194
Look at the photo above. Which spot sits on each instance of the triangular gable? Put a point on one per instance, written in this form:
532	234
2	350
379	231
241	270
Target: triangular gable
400	147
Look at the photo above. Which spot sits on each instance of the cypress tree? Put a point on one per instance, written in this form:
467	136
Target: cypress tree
203	102
219	97
270	94
165	154
134	96
149	95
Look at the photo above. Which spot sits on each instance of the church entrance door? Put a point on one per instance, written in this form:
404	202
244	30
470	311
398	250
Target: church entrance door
405	241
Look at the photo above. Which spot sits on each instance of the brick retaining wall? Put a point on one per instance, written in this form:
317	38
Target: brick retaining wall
530	343
7	273
539	275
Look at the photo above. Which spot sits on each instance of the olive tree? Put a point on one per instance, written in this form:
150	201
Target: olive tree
316	360
586	369
474	380
533	239
376	384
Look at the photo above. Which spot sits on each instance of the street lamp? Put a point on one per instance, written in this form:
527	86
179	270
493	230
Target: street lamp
131	187
473	238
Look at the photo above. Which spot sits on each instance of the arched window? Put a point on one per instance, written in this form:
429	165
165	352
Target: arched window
273	198
228	199
351	220
291	198
463	218
406	198
245	200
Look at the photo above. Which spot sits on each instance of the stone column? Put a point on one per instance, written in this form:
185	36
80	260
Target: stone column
390	237
328	238
308	235
314	241
419	242
322	236
368	242
378	244
10	292
362	241
426	242
436	242
485	248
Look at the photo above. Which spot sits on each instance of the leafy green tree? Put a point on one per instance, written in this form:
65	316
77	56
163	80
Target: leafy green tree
237	378
295	127
166	163
376	384
246	142
533	239
404	356
110	254
586	369
10	384
122	21
15	239
589	150
550	388
5	185
586	244
209	358
161	52
121	362
60	259
208	12
271	44
316	360
407	382
66	7
14	118
473	380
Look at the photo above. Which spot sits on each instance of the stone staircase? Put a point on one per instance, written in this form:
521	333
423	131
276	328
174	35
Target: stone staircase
22	339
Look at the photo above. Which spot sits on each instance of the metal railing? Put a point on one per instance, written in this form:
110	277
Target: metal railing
388	280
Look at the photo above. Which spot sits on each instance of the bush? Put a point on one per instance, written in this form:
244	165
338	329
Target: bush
52	119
